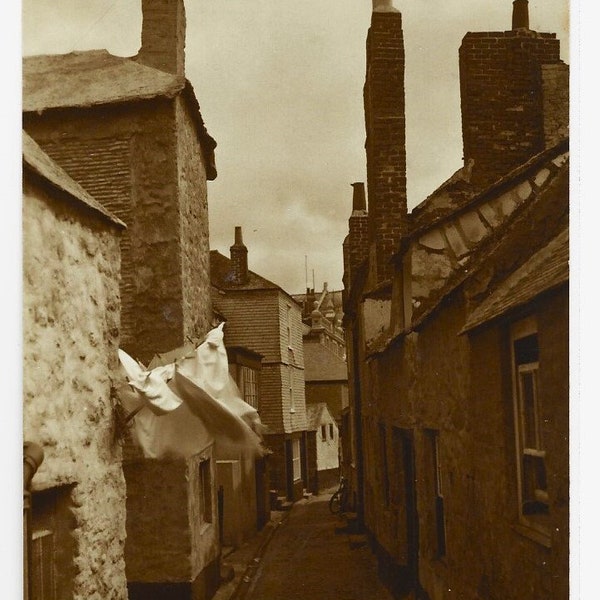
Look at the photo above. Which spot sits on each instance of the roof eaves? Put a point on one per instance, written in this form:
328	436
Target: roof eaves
37	162
499	186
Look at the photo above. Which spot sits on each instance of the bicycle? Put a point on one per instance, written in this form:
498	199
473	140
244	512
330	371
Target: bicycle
338	503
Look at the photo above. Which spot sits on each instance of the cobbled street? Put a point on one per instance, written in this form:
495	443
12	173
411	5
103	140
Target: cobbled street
309	556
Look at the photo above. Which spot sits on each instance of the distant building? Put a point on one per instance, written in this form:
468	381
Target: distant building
323	314
457	329
71	261
129	130
326	377
326	373
262	317
322	448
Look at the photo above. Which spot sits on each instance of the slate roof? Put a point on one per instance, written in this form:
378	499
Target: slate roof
321	364
89	78
316	414
434	209
453	194
221	276
37	161
96	77
545	270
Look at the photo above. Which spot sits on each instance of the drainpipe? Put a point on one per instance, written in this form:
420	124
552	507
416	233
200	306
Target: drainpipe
33	456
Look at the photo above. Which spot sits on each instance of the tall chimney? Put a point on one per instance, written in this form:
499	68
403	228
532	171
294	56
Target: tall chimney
385	144
163	36
239	259
502	96
520	15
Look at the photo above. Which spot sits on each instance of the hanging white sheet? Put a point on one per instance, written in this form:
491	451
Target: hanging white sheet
190	402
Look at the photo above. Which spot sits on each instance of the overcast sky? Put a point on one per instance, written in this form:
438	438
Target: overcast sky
280	88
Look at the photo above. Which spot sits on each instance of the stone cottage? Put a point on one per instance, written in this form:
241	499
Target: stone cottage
130	131
71	262
458	334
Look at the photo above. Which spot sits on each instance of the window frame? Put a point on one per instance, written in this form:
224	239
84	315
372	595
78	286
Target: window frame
296	460
291	389
43	575
249	377
536	522
205	491
433	441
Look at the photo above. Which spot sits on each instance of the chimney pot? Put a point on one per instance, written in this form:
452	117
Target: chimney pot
520	15
359	201
238	236
384	6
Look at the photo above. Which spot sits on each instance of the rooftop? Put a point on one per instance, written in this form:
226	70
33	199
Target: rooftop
40	163
545	270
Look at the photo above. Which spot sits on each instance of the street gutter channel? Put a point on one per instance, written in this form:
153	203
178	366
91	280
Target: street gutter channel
248	577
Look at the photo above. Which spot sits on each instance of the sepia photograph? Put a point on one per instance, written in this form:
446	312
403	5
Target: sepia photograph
296	294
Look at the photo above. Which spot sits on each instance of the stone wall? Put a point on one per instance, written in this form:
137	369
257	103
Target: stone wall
70	341
193	207
130	158
172	518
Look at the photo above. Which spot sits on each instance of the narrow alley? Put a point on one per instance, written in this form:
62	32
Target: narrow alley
309	554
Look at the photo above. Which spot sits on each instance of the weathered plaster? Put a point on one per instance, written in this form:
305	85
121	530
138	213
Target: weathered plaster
70	341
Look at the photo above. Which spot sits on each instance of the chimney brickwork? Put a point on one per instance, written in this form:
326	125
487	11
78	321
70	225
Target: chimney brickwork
163	36
239	259
386	138
555	102
502	100
357	247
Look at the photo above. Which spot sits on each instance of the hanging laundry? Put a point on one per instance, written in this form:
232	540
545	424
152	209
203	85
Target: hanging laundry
183	406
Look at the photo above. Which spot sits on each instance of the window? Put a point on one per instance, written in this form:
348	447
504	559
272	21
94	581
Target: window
250	386
296	464
433	441
205	491
324	432
53	547
42	566
291	390
289	326
331	431
531	454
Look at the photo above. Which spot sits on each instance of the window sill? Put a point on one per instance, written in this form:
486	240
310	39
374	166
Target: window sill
540	537
292	411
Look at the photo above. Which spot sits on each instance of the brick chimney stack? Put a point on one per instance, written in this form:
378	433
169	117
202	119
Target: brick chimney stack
385	144
163	36
239	259
503	84
356	244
